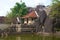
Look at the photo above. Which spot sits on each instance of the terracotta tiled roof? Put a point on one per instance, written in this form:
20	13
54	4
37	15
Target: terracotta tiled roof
30	15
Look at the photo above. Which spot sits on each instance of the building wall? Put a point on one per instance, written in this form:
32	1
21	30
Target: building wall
29	21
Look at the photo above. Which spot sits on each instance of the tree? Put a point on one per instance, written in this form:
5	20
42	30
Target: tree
55	8
18	10
55	13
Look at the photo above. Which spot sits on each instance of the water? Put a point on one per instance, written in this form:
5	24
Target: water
29	37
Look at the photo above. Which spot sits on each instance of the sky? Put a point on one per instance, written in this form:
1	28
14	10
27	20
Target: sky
5	5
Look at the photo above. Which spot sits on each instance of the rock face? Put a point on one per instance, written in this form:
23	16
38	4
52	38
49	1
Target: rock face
44	19
48	25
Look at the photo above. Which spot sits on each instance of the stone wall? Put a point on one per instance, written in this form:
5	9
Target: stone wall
4	26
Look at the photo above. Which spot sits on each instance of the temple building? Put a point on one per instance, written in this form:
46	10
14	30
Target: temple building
38	17
30	17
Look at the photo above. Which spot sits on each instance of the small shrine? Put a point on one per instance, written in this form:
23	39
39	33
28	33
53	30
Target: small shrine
30	17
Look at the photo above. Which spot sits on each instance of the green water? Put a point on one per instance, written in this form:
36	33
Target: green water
29	37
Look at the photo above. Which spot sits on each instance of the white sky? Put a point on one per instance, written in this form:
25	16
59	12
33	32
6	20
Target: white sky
5	5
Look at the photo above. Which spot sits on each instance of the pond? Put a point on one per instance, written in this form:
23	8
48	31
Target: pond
29	37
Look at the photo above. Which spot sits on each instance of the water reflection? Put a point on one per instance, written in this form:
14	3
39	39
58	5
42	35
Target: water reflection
18	38
28	37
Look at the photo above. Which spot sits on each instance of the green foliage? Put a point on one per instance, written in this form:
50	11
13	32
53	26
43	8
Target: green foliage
55	10
19	10
55	13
